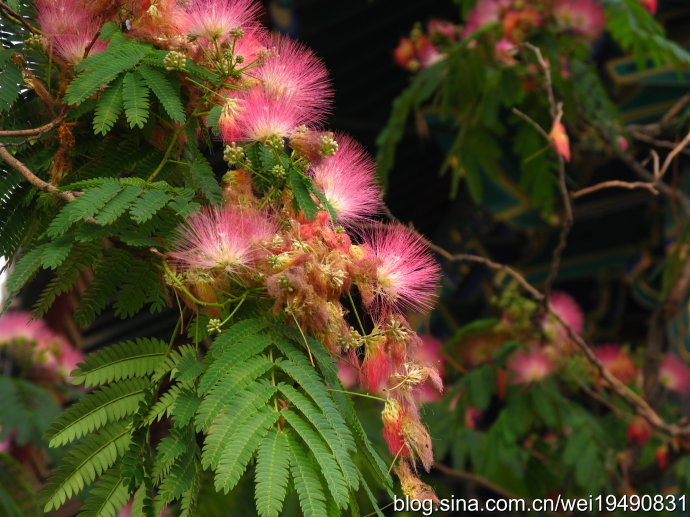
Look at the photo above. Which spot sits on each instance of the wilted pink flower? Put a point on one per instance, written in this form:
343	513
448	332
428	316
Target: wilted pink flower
650	5
407	274
567	308
225	238
506	51
675	374
429	354
347	374
215	19
260	117
584	16
347	181
444	27
404	54
69	28
292	72
483	13
616	361
560	139
376	366
472	417
529	366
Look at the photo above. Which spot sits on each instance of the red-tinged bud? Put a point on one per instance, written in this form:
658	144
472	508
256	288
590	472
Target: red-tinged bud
560	140
472	417
412	486
661	455
622	143
404	52
639	431
650	5
501	382
418	439
392	418
375	366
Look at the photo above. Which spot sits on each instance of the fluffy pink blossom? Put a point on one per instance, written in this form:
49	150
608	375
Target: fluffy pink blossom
584	16
347	374
250	46
69	28
444	27
617	361
529	366
260	117
407	274
567	308
675	374
483	13
214	19
225	238
429	354
347	181
293	72
18	325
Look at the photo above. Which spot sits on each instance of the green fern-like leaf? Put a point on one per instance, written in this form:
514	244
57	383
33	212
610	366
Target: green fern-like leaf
86	461
241	406
108	108
166	92
135	97
341	450
25	270
118	205
182	474
301	188
140	286
81	257
329	467
55	252
99	69
169	450
146	205
83	207
164	406
236	333
138	358
185	408
304	471
11	81
240	447
203	177
97	409
233	357
108	496
234	380
272	473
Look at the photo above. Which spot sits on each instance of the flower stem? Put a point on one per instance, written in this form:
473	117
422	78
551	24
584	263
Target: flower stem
365	395
179	284
354	309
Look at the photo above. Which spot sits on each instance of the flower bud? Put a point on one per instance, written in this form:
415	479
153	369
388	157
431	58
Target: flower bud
175	60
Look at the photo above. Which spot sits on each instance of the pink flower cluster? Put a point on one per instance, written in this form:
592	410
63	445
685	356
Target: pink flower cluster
33	345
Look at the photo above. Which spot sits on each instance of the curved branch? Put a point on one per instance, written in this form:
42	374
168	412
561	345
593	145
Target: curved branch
37	182
630	185
32	131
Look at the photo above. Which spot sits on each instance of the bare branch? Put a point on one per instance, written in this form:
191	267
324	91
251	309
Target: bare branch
17	18
32	131
616	184
37	182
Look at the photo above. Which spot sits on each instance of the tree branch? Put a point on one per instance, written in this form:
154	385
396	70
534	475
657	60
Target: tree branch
37	182
18	18
630	185
32	131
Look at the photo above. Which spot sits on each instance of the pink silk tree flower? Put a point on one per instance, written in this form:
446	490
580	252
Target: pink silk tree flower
347	180
216	19
483	13
674	374
567	308
582	16
69	29
617	361
529	366
650	5
561	142
407	275
225	237
293	72
263	117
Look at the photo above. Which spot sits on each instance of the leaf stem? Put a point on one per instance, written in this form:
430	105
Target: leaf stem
354	309
184	289
365	395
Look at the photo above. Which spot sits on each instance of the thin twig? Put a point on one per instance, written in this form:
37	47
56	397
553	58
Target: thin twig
18	18
676	150
532	123
616	184
37	182
32	131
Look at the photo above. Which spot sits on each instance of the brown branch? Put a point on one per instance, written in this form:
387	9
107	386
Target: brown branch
475	478
18	18
37	182
32	131
532	123
655	142
616	184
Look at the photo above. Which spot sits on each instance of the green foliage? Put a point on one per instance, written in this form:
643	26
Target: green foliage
10	80
135	98
26	411
125	360
108	108
107	497
272	473
165	90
